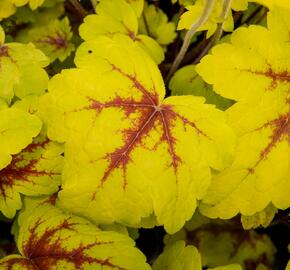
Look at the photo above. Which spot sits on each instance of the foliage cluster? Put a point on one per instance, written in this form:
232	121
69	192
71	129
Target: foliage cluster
121	116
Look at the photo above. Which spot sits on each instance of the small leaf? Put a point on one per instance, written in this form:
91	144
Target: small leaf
17	128
178	256
131	142
187	82
21	70
118	17
154	23
50	239
194	11
52	38
262	218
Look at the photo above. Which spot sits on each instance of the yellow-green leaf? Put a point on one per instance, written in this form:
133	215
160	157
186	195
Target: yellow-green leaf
187	82
154	23
262	218
194	11
17	128
53	38
21	70
225	242
258	77
118	17
178	256
34	171
49	239
131	142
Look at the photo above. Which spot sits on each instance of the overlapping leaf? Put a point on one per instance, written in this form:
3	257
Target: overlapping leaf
138	156
119	17
8	7
154	23
52	38
194	11
187	82
178	256
21	69
49	239
254	70
34	171
17	128
226	242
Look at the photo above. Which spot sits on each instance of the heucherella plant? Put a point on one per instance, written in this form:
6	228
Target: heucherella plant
139	134
153	142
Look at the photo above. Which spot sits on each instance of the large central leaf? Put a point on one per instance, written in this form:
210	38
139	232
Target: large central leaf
137	154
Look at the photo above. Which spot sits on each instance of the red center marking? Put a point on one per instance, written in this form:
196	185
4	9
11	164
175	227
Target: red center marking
150	113
283	76
59	41
44	250
15	172
280	130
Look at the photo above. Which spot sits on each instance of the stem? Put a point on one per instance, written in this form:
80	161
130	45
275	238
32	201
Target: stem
94	4
188	37
219	31
78	7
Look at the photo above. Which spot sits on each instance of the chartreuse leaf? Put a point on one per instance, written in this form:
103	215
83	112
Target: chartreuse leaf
137	5
49	239
262	218
272	3
52	38
194	11
131	143
258	77
225	242
33	4
118	17
21	70
154	23
34	171
6	9
17	128
187	82
178	256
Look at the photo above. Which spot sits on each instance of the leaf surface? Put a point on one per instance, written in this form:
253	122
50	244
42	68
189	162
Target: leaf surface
52	38
119	17
50	240
187	82
21	70
178	256
130	142
34	171
258	77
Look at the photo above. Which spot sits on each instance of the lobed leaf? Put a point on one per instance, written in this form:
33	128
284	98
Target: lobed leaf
49	239
178	256
34	171
257	76
119	17
53	38
187	82
194	11
131	143
21	70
